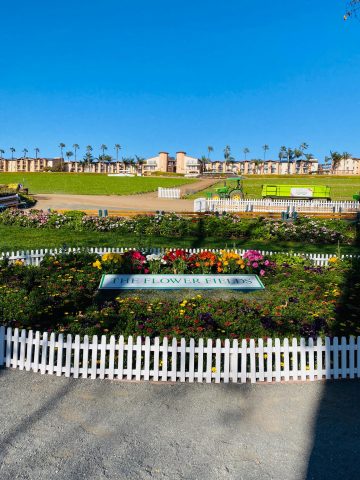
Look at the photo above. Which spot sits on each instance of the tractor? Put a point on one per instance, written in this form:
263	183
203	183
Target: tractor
226	192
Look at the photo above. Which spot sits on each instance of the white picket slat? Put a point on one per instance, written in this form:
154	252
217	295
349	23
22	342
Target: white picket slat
44	348
85	357
149	360
2	345
156	359
111	357
35	257
164	371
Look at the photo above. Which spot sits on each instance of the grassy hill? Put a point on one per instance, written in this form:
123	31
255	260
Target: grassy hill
342	188
89	183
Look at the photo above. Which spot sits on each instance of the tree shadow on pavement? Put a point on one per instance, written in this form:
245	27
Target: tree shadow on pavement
23	426
336	443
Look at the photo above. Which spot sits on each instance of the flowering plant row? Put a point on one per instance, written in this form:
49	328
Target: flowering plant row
228	226
299	299
180	262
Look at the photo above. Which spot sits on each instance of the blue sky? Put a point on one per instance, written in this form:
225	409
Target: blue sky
179	75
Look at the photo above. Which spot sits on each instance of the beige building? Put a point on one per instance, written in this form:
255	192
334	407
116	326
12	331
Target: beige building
101	167
346	166
44	164
28	164
161	163
258	167
182	163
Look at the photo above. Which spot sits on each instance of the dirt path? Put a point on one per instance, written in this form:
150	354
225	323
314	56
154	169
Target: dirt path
147	202
72	429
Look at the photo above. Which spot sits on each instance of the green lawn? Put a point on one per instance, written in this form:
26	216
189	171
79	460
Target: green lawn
89	183
14	238
342	188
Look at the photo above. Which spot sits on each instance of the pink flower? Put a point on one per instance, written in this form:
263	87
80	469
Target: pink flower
255	264
266	263
262	272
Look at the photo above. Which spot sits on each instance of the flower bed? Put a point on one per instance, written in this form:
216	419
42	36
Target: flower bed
299	299
226	227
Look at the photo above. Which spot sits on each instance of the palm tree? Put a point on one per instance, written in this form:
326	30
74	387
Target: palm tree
1	153
308	158
132	162
127	161
76	148
103	148
88	157
257	162
353	7
282	153
117	148
140	162
25	151
335	158
346	156
266	148
227	157
37	151
69	154
246	151
290	155
298	153
12	150
62	146
209	149
203	160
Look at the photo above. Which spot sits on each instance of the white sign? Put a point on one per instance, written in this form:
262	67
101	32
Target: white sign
301	192
176	282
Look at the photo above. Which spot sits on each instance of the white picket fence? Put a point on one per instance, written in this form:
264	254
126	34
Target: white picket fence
169	193
178	360
268	205
35	257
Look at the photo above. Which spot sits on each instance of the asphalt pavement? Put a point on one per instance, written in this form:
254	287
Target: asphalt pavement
58	428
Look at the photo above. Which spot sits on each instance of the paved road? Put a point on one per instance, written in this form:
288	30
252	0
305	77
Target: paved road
57	428
147	202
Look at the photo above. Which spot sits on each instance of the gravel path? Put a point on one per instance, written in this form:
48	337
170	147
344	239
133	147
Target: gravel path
147	202
58	428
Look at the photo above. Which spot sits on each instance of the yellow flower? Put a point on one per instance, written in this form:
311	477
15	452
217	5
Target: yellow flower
114	257
182	312
333	260
19	262
97	264
213	369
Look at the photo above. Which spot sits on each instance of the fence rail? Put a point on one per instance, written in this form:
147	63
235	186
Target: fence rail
267	205
169	193
180	360
35	257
